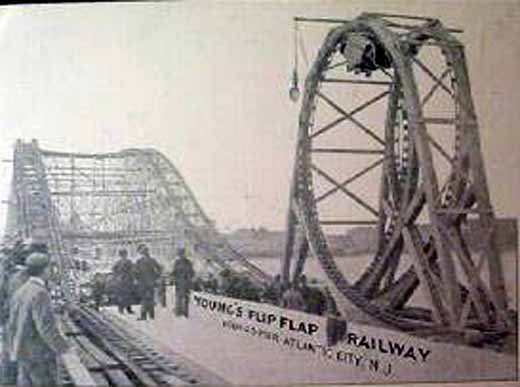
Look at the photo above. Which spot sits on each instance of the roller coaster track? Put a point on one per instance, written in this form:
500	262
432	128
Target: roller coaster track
418	67
108	200
72	201
112	355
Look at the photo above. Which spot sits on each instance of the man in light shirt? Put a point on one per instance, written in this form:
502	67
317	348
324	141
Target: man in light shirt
35	338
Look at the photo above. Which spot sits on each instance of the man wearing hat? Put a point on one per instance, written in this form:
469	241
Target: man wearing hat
183	275
35	340
19	273
13	276
124	282
147	273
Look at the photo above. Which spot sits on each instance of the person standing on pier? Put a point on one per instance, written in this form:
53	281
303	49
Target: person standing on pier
35	339
183	275
124	282
13	276
336	326
98	291
148	271
162	290
292	298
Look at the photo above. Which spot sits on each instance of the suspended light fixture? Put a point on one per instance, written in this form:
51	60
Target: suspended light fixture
294	91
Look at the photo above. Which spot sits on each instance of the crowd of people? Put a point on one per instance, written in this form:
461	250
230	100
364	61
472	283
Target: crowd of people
144	282
31	337
32	340
298	295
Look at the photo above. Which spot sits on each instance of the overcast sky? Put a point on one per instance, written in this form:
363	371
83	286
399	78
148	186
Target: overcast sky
206	84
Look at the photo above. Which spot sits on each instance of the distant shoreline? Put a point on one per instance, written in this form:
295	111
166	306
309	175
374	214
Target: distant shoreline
268	244
347	255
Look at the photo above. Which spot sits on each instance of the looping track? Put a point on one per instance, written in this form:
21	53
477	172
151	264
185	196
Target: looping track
425	145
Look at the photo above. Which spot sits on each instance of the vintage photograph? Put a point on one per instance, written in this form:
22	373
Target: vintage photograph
259	193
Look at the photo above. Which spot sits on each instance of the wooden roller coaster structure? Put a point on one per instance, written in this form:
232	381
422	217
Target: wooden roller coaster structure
110	200
422	177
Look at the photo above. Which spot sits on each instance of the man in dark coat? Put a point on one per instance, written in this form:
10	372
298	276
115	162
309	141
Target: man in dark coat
211	284
147	272
35	339
98	290
124	282
273	291
336	326
183	275
161	291
292	298
313	298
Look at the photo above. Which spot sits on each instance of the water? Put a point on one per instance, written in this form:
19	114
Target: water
352	267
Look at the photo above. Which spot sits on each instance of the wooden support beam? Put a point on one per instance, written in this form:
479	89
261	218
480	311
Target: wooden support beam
426	277
347	192
77	371
351	113
439	121
97	156
101	171
478	291
476	166
356	81
98	193
440	149
320	20
348	151
433	43
466	309
409	27
398	16
303	252
362	127
461	211
350	179
430	73
435	86
403	65
103	360
348	222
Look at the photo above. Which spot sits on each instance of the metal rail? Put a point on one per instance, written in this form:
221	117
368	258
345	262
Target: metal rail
51	210
113	356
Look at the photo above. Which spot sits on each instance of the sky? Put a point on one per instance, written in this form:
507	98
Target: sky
206	84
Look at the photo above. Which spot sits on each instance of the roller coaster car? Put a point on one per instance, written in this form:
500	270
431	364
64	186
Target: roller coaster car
363	54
